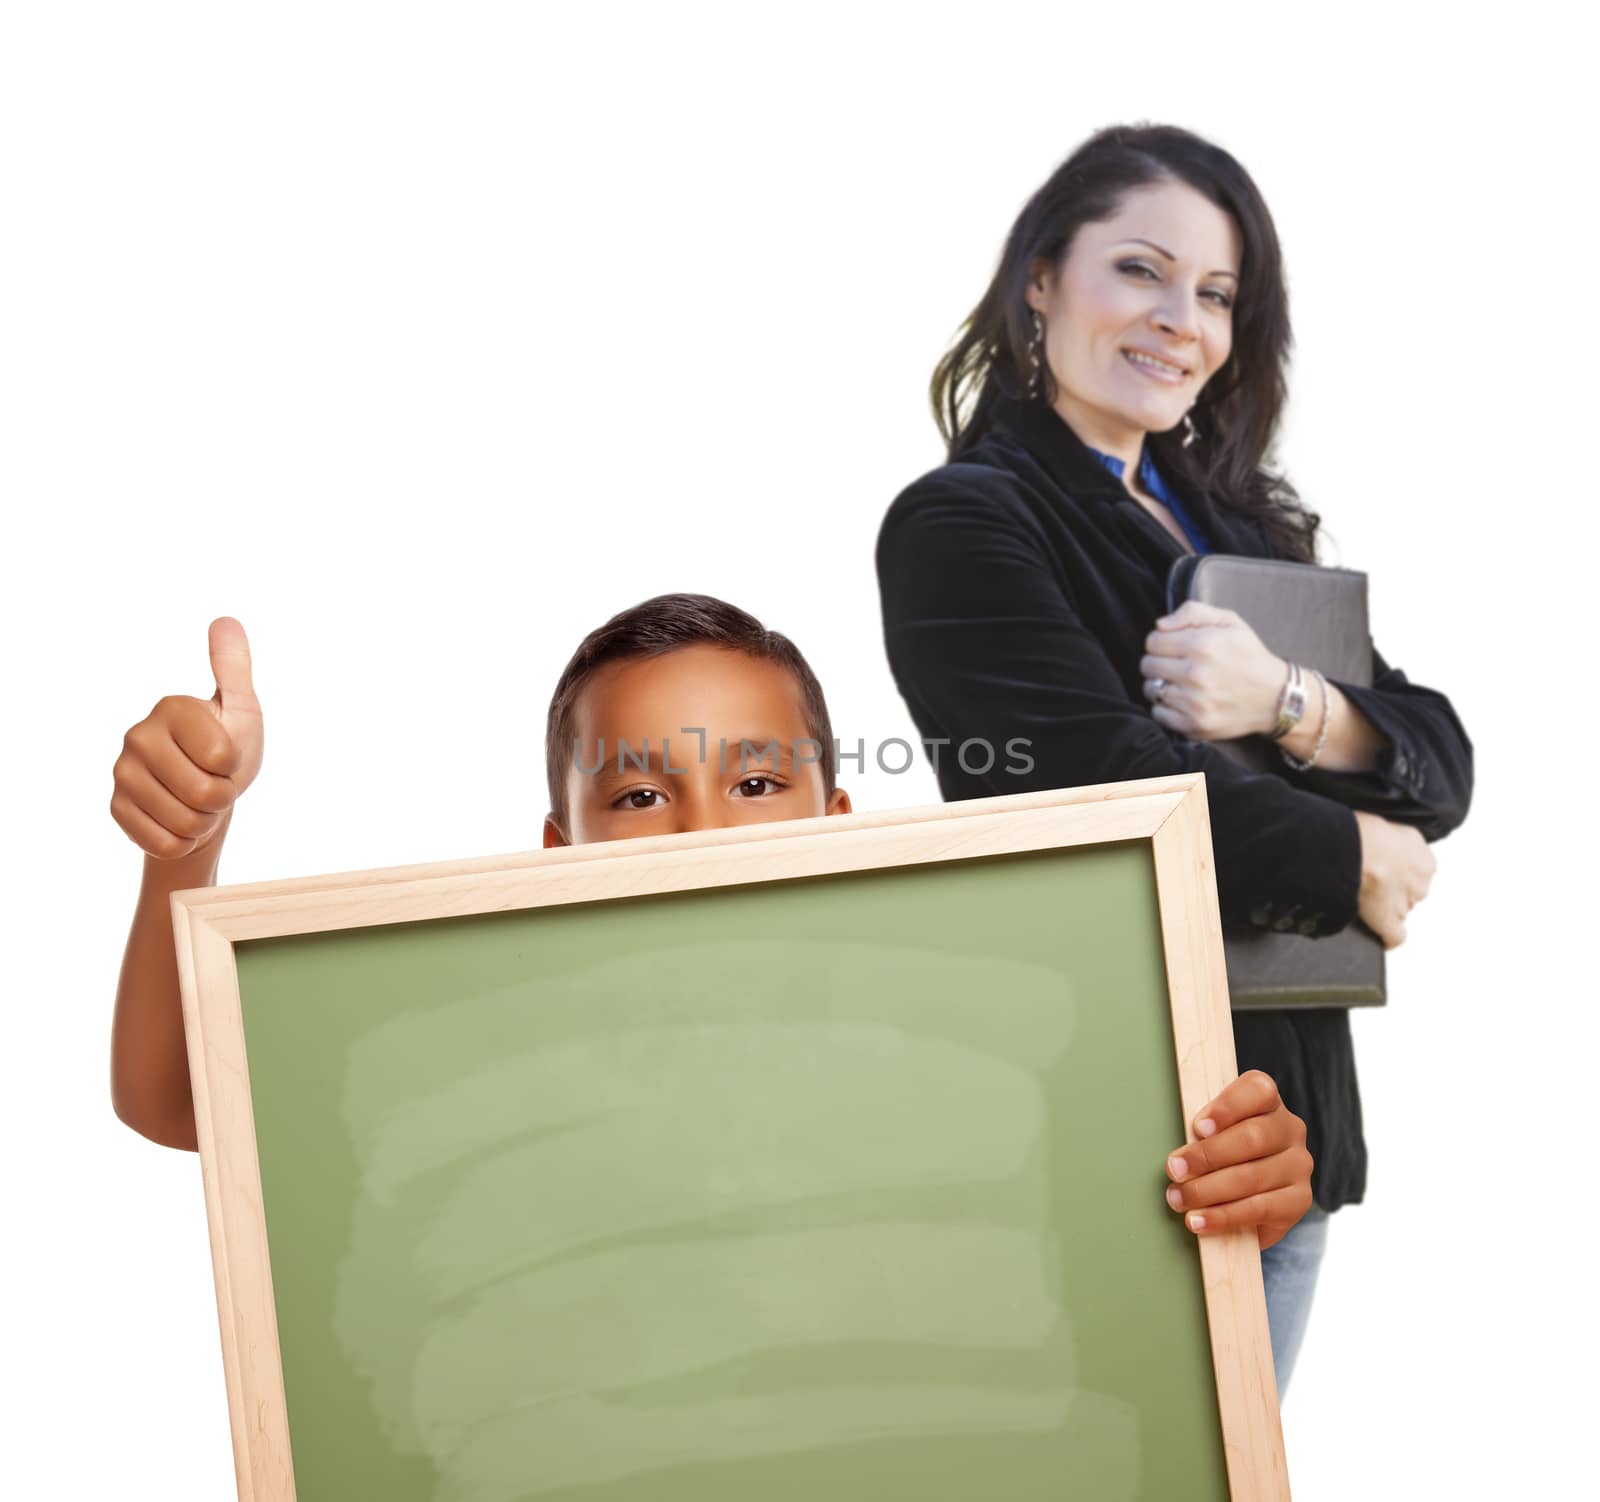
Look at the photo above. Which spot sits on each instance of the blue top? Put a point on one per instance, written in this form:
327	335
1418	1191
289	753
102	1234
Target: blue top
1150	478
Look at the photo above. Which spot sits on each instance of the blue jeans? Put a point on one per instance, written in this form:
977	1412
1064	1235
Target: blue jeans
1289	1271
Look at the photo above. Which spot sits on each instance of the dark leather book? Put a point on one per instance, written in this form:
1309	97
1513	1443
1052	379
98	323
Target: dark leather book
1317	617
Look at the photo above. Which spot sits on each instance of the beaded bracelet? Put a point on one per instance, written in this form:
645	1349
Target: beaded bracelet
1322	733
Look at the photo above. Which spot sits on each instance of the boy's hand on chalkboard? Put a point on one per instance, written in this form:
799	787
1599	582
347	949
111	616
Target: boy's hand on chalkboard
1246	1164
183	766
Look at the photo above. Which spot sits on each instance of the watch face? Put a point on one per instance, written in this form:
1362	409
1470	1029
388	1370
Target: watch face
1291	703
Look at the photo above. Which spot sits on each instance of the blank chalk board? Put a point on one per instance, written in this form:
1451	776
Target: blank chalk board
807	1161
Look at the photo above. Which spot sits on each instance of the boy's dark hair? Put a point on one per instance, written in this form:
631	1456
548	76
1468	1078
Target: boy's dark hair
668	623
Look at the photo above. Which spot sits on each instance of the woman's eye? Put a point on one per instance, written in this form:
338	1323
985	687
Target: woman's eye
1138	268
1220	298
759	787
639	798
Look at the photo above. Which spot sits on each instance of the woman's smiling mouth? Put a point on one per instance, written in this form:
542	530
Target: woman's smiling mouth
1155	367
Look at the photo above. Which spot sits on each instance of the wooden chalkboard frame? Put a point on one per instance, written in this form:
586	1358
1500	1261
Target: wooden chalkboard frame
1169	812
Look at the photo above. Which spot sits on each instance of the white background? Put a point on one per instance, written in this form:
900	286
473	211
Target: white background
423	338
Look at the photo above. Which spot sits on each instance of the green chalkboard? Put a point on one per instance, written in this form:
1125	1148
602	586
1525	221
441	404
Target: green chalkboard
839	1188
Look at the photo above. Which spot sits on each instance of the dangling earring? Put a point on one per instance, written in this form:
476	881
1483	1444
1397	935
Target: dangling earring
1190	433
1035	353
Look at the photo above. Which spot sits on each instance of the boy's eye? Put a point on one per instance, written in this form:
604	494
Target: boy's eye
759	787
639	798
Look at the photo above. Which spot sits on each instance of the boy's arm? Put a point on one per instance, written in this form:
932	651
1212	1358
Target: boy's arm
149	1057
175	783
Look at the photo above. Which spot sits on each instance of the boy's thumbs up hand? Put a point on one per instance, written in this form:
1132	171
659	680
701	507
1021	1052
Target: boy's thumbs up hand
183	765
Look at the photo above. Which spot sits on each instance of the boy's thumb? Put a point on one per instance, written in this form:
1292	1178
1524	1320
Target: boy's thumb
230	665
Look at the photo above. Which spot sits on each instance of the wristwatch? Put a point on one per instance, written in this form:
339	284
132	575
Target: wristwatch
1291	703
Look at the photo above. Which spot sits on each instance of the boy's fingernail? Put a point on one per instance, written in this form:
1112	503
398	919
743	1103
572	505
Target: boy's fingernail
1177	1168
1175	1197
1205	1128
1197	1222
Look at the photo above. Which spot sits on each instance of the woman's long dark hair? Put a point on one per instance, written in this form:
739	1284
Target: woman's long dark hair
1237	413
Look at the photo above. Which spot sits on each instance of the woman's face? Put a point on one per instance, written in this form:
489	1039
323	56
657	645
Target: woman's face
1139	313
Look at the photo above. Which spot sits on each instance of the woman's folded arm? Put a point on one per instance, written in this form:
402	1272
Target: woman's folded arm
986	648
1424	773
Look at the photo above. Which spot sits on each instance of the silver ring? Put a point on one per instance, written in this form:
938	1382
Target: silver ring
1159	685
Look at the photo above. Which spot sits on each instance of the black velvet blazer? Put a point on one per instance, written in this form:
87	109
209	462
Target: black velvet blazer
1018	587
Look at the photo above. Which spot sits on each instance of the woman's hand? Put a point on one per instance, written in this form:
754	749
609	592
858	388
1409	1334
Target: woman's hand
184	764
1246	1166
1396	871
1208	675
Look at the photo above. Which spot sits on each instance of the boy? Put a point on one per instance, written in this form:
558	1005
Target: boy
681	713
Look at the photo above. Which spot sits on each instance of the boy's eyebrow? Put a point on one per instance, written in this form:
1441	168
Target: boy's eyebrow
758	753
624	758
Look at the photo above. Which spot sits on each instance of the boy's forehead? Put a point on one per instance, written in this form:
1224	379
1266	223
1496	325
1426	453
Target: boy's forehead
721	690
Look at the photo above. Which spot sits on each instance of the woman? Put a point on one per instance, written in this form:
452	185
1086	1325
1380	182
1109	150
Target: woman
1108	407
